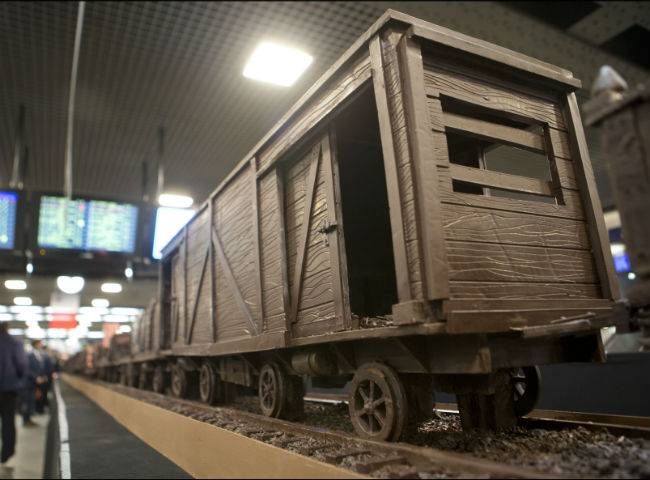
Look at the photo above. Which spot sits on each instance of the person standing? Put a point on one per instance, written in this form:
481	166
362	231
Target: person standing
31	387
13	367
48	371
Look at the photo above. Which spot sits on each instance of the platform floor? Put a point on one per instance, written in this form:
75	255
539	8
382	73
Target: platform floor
30	450
102	448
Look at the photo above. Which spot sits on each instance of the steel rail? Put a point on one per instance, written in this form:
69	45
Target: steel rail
413	459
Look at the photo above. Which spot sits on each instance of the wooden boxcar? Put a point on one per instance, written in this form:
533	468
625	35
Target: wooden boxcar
426	211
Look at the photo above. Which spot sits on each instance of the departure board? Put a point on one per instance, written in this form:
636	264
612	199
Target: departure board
8	201
93	225
61	223
111	226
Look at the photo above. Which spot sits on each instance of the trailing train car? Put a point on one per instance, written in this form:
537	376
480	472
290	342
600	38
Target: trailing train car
427	212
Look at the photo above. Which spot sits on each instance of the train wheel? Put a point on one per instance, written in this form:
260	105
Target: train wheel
210	385
378	404
132	375
179	382
272	390
526	387
158	380
143	377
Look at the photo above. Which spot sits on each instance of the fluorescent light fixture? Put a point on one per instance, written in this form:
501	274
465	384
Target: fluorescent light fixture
15	284
26	308
99	303
29	267
277	64
16	331
22	301
631	276
70	285
6	317
128	272
175	201
95	335
117	319
169	221
110	287
125	311
617	248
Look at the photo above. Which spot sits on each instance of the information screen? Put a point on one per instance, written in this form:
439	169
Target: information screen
94	225
8	201
168	222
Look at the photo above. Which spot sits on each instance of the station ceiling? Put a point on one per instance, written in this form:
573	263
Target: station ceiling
179	65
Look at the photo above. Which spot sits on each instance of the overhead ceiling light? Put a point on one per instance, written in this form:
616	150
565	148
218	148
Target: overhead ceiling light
99	302
70	285
111	287
175	201
15	284
277	64
23	301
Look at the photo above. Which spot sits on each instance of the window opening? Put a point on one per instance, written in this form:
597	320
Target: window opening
517	151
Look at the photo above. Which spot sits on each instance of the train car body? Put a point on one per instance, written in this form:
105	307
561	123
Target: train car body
427	210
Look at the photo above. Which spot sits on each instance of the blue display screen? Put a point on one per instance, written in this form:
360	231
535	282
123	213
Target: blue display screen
93	225
8	204
622	263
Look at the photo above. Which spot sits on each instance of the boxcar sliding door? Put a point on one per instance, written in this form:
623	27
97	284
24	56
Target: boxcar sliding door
315	255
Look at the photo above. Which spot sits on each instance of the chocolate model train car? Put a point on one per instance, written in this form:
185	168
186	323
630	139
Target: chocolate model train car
426	213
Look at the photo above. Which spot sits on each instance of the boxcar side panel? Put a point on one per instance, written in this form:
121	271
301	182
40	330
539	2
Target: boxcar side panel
237	307
271	252
177	295
198	280
312	257
494	239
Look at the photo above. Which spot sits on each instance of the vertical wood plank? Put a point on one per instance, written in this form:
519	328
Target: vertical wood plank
185	281
549	148
391	171
213	316
286	299
304	232
199	288
336	238
600	247
256	241
232	283
431	236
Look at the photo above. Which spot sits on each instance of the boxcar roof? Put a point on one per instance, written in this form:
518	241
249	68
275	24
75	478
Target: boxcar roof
560	78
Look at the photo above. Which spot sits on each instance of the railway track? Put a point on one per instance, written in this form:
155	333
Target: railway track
630	426
373	458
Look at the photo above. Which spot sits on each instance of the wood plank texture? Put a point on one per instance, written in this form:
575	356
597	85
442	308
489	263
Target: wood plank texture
432	245
299	268
504	181
466	223
503	133
391	172
519	291
593	208
471	261
519	105
399	127
571	209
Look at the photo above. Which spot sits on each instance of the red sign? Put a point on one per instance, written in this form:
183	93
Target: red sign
63	320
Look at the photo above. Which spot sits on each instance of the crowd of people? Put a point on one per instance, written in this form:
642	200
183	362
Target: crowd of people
26	375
